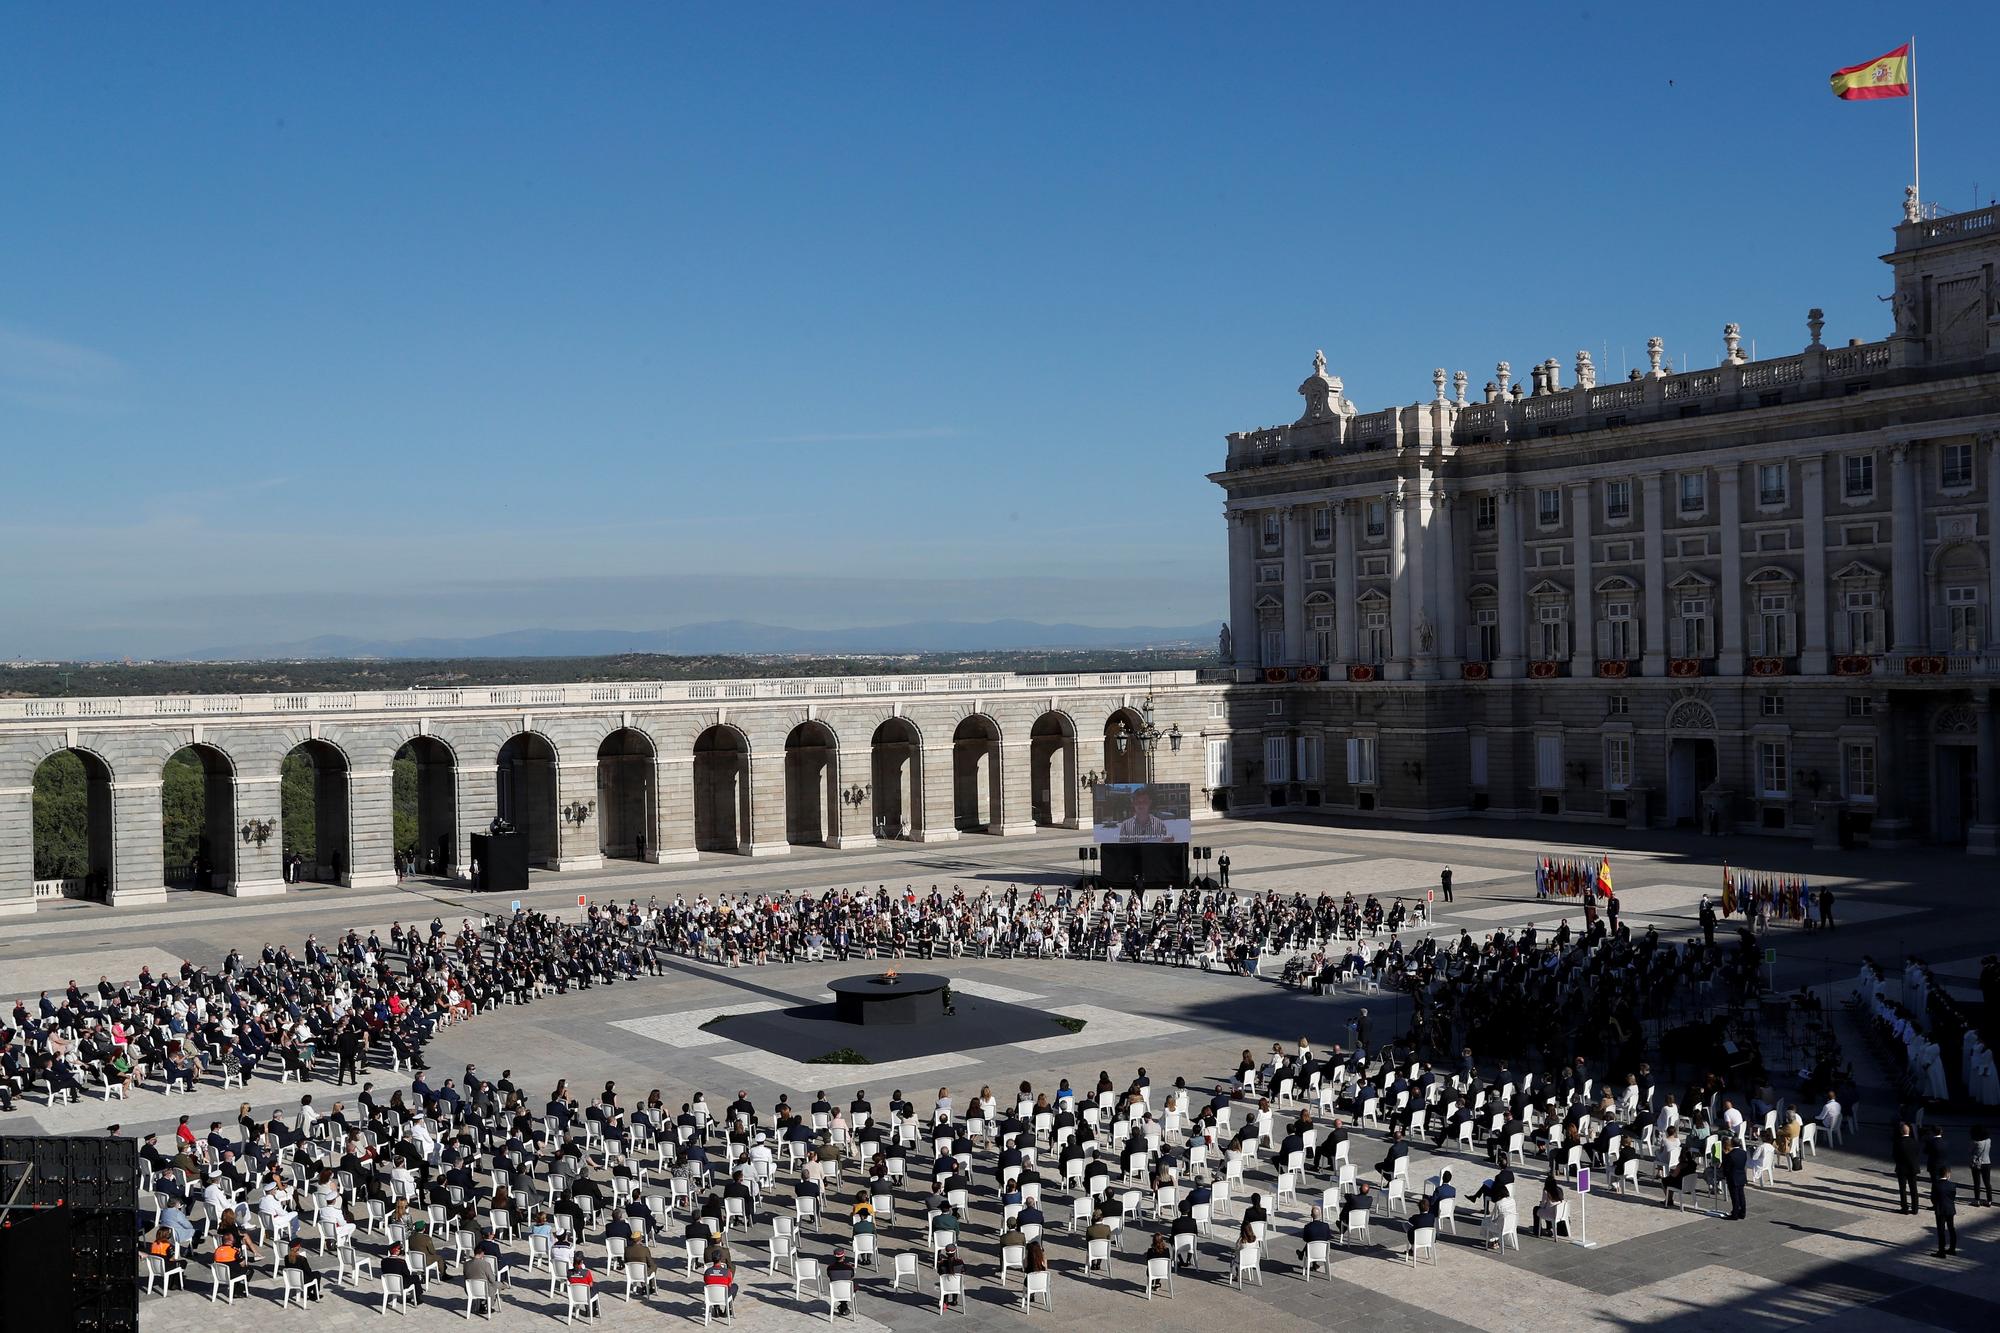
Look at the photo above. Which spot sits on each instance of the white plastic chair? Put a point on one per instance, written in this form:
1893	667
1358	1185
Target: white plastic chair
715	1298
839	1293
164	1270
638	1278
222	1284
1157	1272
582	1297
1249	1259
906	1265
395	1293
1423	1238
1319	1254
1097	1256
804	1269
297	1285
1037	1284
478	1289
949	1285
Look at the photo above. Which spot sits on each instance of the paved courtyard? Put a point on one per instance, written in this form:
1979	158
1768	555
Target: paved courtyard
1824	1247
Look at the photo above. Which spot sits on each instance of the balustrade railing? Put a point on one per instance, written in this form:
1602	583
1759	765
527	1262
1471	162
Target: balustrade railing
32	711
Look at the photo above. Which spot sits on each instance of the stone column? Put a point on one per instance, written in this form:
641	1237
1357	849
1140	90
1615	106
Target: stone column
1512	607
1813	650
1400	597
1992	442
1891	826
371	829
579	846
1983	838
940	777
673	777
17	849
1583	615
260	870
1346	619
1017	790
766	834
1654	660
138	861
1423	612
1243	586
1909	618
1295	583
1450	606
1729	606
478	802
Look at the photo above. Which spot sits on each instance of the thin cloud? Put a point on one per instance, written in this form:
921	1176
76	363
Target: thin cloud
30	359
908	436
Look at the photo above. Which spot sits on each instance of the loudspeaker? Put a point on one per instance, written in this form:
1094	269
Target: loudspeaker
67	1262
503	862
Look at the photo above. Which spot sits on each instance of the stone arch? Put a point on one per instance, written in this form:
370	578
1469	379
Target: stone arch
722	808
525	793
315	812
975	774
627	795
198	817
895	766
74	830
1052	769
1124	762
812	784
424	799
1691	716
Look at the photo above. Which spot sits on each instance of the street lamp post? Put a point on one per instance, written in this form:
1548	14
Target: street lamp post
1147	737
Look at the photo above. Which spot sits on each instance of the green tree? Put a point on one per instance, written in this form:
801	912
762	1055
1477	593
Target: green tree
298	803
405	802
62	817
183	807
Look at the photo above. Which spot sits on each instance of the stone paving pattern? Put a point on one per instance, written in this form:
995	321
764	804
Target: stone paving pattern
1824	1247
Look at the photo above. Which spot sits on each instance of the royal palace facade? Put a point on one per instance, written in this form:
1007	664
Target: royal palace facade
1752	597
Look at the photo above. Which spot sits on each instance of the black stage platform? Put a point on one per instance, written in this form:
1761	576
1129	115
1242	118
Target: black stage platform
810	1032
907	997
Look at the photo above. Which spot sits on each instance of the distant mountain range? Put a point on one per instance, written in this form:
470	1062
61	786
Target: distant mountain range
733	636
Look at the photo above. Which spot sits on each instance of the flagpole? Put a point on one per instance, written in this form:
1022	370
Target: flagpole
1916	157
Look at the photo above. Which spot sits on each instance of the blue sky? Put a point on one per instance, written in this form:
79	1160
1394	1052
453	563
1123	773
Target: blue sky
398	320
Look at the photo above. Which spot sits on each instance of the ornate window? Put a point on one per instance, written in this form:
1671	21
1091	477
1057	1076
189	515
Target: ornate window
1694	493
1377	518
1774	768
1772	631
1361	761
1962	619
1617	626
1773	485
1375	645
1957	474
1484	508
1617	501
1548	507
1273	530
1857	770
1617	763
1857	476
1322	525
1859	627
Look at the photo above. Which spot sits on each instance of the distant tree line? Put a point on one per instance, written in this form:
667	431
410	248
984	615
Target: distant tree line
118	678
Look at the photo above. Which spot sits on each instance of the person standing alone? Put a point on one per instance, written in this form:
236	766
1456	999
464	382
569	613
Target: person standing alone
1444	883
1944	1212
1903	1152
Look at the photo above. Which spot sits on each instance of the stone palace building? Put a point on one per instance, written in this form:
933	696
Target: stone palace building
1753	597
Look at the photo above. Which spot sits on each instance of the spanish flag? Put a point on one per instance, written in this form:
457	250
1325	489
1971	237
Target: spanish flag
1604	877
1884	76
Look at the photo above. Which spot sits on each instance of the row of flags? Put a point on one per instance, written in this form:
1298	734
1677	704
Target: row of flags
1783	897
1572	877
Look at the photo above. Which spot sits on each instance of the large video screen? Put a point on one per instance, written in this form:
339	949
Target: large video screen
1136	812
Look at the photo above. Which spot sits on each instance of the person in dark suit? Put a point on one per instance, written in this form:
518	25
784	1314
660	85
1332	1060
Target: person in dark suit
1904	1153
1736	1171
1944	1211
1444	883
